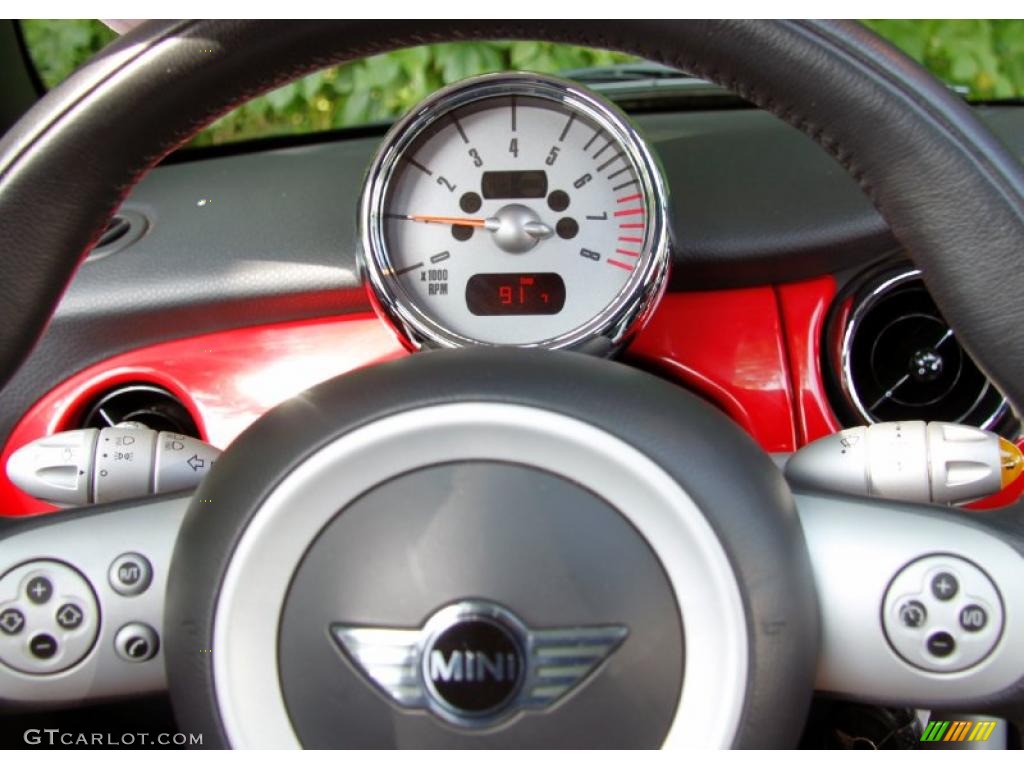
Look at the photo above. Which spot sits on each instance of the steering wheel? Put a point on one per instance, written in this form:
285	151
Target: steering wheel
512	548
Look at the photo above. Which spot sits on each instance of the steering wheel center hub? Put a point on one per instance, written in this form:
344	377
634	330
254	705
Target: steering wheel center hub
487	594
491	570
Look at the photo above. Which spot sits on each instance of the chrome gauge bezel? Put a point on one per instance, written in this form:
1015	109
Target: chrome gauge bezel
605	332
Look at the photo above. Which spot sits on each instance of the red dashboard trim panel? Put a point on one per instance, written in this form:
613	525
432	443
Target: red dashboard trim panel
803	308
753	352
728	346
226	379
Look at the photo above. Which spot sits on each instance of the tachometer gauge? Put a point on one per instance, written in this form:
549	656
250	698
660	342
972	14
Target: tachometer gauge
514	209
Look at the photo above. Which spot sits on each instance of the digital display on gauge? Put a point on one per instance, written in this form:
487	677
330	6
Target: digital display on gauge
514	185
516	293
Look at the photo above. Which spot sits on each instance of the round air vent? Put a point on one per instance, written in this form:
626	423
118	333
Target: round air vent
893	357
126	228
116	229
152	406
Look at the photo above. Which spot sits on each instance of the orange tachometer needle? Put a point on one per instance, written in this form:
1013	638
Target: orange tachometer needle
450	220
535	229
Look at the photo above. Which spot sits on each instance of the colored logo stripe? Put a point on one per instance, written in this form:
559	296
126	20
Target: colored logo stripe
935	730
983	730
958	730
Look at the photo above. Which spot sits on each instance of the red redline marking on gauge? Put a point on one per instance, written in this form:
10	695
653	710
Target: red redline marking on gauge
625	239
637	196
631	212
631	226
621	265
624	252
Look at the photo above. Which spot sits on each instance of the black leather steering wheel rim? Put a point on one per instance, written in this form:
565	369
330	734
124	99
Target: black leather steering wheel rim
952	194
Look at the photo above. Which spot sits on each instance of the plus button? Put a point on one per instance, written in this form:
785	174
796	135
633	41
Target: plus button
945	586
39	589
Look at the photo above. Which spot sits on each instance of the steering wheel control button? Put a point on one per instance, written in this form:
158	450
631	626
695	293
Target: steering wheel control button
973	618
944	586
39	590
49	617
941	644
11	621
130	574
43	646
136	642
913	614
942	613
69	616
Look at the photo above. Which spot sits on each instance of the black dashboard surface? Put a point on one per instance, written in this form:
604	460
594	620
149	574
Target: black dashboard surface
753	202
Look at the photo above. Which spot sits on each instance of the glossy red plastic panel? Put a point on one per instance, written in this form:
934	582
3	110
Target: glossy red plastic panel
227	380
729	347
754	352
803	307
726	345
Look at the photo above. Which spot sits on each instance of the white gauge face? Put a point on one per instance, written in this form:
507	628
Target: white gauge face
517	219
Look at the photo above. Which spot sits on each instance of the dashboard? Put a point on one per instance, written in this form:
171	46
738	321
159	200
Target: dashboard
738	261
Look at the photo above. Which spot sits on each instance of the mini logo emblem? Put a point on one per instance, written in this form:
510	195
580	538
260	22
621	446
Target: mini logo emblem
473	663
474	667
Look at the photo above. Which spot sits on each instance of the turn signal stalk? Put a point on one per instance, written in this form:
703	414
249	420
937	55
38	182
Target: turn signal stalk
909	461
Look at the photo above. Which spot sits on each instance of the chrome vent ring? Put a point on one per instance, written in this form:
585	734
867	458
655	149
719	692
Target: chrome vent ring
892	356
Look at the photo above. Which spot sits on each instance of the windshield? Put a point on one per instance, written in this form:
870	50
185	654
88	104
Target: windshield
984	58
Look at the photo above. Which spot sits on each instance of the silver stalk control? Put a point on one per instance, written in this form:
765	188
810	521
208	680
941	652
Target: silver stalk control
908	461
86	466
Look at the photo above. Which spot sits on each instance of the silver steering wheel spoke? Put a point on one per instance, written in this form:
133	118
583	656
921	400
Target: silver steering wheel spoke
82	603
920	605
890	634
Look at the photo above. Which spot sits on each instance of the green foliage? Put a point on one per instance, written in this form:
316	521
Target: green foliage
385	86
58	47
986	56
